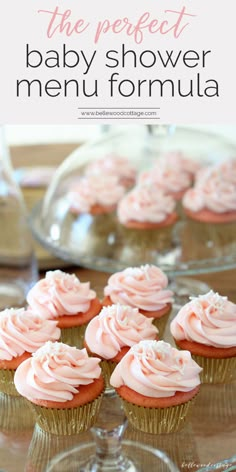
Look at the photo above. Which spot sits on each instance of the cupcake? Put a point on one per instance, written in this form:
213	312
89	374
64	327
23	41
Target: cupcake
63	298
21	333
168	178
147	215
64	387
143	287
96	195
110	334
180	162
157	385
113	165
211	200
206	326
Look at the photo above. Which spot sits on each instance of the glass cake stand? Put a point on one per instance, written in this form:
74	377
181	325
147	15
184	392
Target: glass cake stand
97	242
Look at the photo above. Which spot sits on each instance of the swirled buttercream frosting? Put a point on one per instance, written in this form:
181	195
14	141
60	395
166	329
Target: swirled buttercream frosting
24	331
166	177
179	161
55	373
115	327
101	190
112	165
208	319
145	203
156	369
143	287
60	294
211	193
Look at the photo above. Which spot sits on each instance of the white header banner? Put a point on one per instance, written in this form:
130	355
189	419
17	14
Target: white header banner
152	61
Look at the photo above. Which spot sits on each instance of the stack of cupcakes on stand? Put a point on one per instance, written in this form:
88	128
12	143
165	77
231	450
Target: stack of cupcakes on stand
144	288
64	299
110	335
22	332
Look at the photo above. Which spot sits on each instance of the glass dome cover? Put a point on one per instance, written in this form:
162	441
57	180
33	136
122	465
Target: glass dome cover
86	231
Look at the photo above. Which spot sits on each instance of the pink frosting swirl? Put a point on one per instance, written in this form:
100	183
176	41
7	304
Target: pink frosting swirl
113	165
209	319
180	161
156	369
115	327
211	193
140	287
24	331
60	294
166	177
145	204
55	373
224	170
95	190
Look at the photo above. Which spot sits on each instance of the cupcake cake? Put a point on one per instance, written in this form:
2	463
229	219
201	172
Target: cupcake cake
157	385
146	216
64	387
110	334
144	288
115	166
63	298
22	332
206	326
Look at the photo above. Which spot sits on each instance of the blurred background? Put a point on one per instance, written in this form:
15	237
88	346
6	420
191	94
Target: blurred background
36	134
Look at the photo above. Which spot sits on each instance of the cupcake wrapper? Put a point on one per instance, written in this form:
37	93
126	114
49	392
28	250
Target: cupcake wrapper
161	323
74	336
157	420
7	382
15	414
65	421
216	370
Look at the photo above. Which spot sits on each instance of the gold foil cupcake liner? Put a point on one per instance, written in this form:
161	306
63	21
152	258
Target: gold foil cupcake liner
7	382
216	370
74	336
157	420
15	414
65	421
